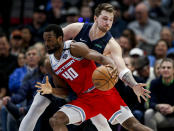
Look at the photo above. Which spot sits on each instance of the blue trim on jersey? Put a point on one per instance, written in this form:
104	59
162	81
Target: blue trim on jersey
89	90
114	116
78	109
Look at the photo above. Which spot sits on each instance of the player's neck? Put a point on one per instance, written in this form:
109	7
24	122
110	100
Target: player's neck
95	32
58	53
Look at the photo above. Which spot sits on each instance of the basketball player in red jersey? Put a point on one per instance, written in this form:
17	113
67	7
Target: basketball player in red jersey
71	61
97	32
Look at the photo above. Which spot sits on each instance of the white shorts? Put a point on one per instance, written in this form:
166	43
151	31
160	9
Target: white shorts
75	116
120	116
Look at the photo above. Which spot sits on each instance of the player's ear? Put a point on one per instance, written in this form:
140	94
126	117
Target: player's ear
60	39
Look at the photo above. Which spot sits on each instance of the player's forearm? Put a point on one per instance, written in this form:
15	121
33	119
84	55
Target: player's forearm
124	73
105	60
127	78
60	92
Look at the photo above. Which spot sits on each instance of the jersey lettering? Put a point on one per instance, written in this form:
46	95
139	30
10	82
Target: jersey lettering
70	74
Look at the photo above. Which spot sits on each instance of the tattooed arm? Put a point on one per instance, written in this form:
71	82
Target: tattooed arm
113	50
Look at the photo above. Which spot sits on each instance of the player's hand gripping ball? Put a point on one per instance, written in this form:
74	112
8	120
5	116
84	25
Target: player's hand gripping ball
105	77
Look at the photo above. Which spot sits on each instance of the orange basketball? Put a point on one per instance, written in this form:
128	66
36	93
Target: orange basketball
102	78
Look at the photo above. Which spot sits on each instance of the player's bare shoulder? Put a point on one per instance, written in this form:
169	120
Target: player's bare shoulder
71	30
112	46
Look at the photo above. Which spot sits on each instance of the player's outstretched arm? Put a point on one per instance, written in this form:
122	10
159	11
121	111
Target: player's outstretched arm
113	49
46	88
61	86
79	49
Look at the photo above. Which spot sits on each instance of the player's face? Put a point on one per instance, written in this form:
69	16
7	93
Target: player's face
51	43
104	21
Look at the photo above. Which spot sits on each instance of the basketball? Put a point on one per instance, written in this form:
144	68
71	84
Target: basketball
102	78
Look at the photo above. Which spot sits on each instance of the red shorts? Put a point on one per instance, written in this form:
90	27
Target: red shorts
98	102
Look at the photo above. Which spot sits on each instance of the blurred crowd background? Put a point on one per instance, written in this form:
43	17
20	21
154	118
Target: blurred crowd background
143	28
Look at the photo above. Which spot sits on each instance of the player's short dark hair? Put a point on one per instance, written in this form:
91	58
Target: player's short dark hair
56	29
104	6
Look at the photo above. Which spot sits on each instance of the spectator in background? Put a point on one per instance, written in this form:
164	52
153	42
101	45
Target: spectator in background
166	34
21	59
144	71
72	16
135	53
172	30
27	37
131	35
161	112
157	12
125	45
85	14
119	24
56	15
26	92
159	52
38	24
157	71
147	30
8	63
127	9
41	48
16	42
170	54
16	78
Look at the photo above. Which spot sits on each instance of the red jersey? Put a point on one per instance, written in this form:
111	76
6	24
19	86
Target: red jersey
77	72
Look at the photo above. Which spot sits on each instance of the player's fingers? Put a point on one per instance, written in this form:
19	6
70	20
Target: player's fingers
47	81
139	100
147	91
144	97
142	84
114	73
38	83
38	86
147	95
